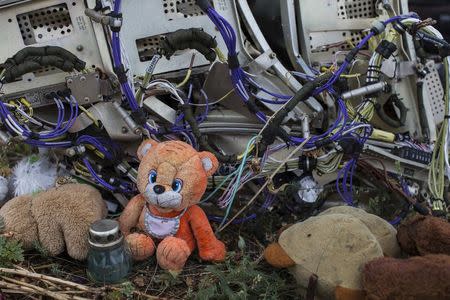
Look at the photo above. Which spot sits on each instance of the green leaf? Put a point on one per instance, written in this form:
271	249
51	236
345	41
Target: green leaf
241	243
11	252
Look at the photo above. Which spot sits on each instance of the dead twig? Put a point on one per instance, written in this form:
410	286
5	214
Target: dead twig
49	278
37	289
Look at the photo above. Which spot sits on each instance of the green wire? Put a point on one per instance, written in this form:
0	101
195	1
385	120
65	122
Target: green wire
240	171
219	187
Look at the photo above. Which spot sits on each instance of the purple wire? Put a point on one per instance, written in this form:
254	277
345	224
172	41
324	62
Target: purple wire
279	96
117	60
86	139
405	189
97	177
57	132
269	101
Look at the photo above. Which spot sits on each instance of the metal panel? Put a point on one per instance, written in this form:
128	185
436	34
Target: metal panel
335	22
434	91
141	30
78	37
45	24
356	9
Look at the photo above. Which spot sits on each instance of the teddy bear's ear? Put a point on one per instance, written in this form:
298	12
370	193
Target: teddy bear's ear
209	162
145	147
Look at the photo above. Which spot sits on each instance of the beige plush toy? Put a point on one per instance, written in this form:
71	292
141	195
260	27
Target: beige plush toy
56	219
333	247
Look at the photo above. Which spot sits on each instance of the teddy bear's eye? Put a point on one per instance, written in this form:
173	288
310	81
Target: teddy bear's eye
152	176
177	185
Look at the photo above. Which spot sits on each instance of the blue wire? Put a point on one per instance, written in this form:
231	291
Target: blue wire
238	179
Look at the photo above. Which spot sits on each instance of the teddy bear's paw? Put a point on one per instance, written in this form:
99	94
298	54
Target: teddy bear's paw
172	253
215	252
141	246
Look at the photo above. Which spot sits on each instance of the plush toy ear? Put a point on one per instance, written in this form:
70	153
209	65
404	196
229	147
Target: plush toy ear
209	162
145	147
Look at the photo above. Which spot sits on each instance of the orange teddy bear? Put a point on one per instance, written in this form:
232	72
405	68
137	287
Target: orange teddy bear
172	178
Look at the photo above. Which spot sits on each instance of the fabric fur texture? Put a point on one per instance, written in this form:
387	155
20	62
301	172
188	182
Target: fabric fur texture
57	219
172	178
426	278
3	188
384	232
335	246
32	175
421	235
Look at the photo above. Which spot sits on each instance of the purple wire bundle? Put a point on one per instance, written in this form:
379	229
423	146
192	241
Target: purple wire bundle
117	60
125	187
38	139
87	139
346	173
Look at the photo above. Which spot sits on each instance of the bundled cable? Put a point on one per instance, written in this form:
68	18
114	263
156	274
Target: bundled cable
34	58
202	139
440	162
273	127
192	38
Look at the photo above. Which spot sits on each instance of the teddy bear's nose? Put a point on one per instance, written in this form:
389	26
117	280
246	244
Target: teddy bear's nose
159	189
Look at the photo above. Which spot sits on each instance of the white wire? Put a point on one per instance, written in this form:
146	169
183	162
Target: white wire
166	86
356	127
127	64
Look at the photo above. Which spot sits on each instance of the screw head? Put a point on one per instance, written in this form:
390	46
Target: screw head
69	81
86	99
70	152
272	55
82	78
124	130
80	48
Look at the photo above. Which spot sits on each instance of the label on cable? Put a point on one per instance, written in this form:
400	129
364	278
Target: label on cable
152	66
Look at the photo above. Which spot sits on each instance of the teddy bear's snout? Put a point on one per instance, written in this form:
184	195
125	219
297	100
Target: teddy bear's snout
161	196
159	189
169	200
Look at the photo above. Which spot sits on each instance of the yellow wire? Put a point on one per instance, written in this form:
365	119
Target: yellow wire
240	157
436	175
56	138
98	153
225	96
188	74
90	115
28	105
349	41
77	167
186	79
220	55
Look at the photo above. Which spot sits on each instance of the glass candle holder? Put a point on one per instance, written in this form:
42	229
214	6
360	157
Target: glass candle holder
109	258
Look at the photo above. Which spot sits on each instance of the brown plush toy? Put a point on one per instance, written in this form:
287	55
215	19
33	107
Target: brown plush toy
56	219
421	235
172	178
426	278
333	247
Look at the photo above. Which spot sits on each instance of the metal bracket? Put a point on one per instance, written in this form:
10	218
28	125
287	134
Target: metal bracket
263	62
85	87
